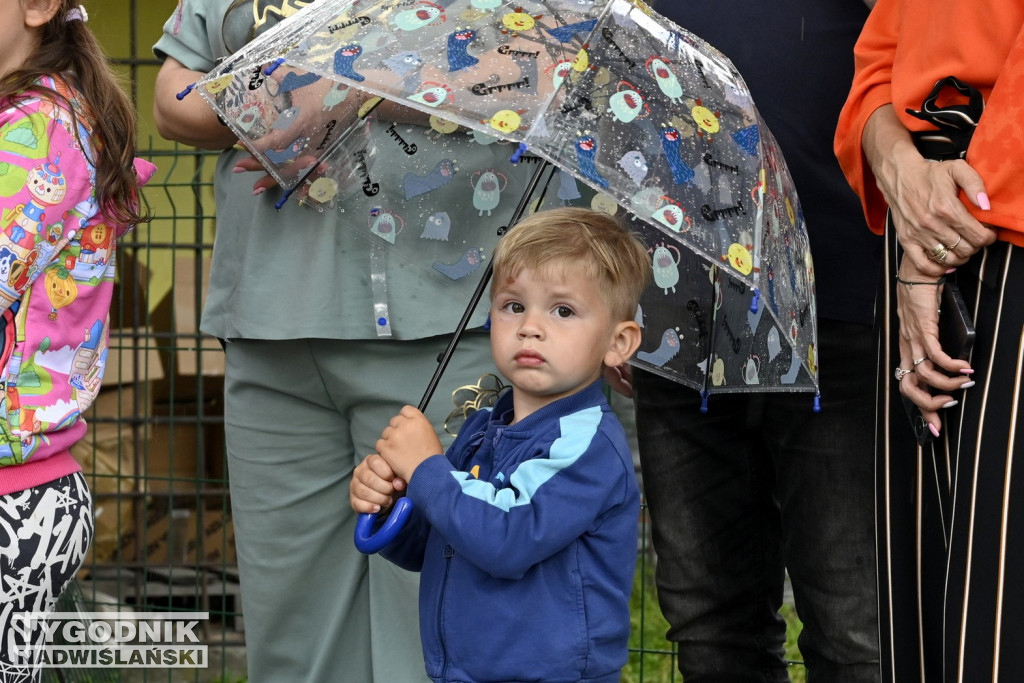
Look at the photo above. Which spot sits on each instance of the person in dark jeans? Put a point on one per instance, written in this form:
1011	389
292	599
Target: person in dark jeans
761	484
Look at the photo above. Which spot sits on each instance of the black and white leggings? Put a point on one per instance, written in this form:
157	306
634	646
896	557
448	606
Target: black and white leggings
45	534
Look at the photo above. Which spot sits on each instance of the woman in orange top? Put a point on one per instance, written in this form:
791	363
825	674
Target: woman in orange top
946	550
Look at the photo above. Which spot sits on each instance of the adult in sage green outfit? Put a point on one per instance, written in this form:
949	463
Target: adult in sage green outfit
309	382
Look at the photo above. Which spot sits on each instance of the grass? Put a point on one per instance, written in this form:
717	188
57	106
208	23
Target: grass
652	657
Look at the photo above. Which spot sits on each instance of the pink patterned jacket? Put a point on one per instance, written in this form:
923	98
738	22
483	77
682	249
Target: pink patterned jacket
57	256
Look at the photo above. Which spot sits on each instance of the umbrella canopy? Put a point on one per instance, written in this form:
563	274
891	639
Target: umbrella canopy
649	116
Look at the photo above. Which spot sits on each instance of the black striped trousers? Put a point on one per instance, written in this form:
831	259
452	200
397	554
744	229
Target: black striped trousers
950	515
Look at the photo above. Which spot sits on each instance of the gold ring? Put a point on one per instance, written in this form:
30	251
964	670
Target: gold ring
953	246
901	373
918	361
939	254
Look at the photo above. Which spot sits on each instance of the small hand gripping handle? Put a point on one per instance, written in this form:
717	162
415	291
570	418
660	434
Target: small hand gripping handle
368	542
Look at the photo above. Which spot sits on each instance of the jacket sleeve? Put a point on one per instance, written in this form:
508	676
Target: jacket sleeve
871	88
997	148
192	36
549	502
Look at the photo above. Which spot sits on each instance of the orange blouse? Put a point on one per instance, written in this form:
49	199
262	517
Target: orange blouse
906	46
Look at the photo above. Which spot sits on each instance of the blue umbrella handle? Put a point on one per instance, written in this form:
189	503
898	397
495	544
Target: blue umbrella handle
368	542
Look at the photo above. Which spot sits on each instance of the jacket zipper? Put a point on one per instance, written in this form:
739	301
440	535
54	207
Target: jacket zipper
448	553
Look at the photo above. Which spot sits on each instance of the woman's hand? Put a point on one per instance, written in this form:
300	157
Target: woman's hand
620	379
933	226
925	365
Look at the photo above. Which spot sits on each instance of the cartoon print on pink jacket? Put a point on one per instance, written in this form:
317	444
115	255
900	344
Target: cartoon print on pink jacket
57	256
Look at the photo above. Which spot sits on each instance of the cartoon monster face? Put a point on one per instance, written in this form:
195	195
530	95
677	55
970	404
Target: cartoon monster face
666	80
740	258
432	96
705	119
666	268
385	225
672	216
751	370
518	21
562	70
718	372
625	105
323	190
506	121
412	19
582	61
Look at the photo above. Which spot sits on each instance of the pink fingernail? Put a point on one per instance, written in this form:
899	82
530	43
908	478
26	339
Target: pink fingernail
967	385
258	191
950	271
950	404
238	169
967	371
983	201
933	429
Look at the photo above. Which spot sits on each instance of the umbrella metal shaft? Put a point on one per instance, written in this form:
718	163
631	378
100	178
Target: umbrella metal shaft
445	357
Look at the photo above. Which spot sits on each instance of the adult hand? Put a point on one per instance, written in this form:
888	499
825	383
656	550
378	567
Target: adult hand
620	379
928	383
408	440
933	226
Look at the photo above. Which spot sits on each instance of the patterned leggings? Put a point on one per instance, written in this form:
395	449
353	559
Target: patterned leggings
45	533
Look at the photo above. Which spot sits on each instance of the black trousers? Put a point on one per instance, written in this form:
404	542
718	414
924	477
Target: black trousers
951	513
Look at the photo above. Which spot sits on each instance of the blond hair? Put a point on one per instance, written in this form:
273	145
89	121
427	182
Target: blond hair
593	242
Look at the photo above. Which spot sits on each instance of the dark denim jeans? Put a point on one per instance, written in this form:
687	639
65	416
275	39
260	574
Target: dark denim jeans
758	485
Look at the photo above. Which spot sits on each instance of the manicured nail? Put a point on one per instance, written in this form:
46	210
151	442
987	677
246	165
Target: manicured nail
967	371
258	191
983	201
933	429
950	404
238	169
967	385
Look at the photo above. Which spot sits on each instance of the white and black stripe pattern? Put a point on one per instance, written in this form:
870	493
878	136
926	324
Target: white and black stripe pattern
45	534
951	514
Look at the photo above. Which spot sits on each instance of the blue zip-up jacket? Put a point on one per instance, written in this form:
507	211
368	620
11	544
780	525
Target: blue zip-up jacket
526	537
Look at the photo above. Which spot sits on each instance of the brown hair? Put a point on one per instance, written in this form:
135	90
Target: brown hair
614	258
68	49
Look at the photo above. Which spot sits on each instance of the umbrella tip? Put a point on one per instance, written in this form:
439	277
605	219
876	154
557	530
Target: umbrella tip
518	154
273	66
185	92
755	302
704	401
280	202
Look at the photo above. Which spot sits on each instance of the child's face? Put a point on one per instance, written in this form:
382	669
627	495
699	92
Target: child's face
550	333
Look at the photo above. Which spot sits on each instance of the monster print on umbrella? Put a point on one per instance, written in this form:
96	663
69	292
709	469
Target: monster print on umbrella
648	115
